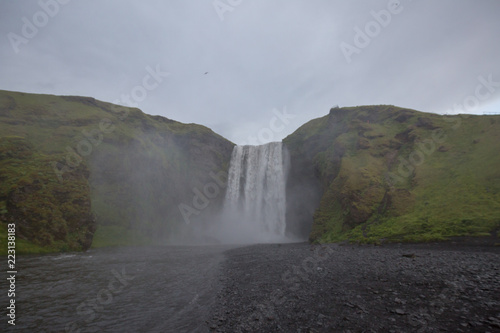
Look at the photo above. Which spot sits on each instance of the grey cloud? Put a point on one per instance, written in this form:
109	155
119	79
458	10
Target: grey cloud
264	55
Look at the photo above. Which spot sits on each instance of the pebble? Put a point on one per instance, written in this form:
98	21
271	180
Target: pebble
449	291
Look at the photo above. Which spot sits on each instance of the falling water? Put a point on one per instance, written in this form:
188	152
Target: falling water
255	203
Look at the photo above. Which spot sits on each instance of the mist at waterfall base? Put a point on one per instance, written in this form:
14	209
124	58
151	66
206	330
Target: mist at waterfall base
254	208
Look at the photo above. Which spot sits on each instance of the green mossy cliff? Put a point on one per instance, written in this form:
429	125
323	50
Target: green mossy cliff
76	172
384	173
49	215
69	165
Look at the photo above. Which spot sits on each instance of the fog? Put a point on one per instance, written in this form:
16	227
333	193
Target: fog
254	205
157	187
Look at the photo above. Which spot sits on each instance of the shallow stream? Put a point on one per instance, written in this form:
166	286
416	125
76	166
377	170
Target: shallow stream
155	289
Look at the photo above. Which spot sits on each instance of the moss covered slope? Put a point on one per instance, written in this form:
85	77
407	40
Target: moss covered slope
140	168
49	215
394	174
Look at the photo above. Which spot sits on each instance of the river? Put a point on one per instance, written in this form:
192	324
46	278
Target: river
153	289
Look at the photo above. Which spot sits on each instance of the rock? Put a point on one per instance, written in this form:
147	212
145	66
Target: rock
363	143
399	312
440	292
493	322
404	116
425	123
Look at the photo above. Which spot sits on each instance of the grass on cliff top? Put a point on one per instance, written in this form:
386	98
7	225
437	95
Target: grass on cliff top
51	123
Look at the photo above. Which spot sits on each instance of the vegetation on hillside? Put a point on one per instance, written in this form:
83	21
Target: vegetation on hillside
393	174
49	215
140	168
74	170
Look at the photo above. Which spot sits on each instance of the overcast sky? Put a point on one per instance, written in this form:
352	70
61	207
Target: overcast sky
264	58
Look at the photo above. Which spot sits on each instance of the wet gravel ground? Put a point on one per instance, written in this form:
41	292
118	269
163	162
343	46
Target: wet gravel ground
349	288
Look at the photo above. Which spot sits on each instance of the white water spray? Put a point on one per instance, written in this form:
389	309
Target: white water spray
255	203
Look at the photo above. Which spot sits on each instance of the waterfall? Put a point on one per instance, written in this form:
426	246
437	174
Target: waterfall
255	202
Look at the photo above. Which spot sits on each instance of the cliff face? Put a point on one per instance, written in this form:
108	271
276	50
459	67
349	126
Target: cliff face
47	214
75	171
393	174
137	178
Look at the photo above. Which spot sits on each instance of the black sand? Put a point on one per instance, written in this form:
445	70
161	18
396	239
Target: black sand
348	288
